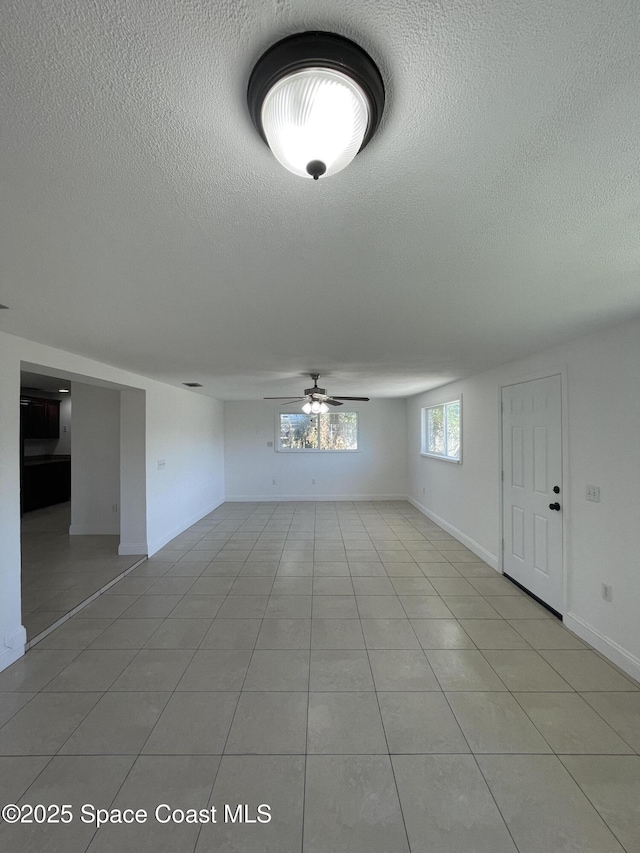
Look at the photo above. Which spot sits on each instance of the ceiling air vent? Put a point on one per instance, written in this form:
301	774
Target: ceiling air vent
192	384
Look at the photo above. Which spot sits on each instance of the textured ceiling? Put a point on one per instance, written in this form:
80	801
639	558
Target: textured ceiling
145	224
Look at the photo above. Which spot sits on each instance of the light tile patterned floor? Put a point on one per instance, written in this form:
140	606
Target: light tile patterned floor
349	664
61	571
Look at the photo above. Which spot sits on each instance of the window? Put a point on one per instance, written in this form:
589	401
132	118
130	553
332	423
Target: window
442	432
333	431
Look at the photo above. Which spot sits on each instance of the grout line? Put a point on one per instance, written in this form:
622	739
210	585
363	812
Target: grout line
616	755
41	636
330	515
593	805
606	722
306	735
484	779
384	731
195	651
248	666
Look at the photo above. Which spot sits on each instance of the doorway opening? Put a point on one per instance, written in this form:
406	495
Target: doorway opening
75	539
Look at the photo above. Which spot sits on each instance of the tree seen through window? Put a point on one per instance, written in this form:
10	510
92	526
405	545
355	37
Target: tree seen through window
331	431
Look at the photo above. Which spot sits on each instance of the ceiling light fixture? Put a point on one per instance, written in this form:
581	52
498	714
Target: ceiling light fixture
316	99
315	407
63	391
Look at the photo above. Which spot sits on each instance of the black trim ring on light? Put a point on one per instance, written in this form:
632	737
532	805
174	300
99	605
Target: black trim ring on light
316	50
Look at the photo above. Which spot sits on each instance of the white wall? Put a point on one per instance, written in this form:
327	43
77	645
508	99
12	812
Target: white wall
183	427
63	447
376	471
133	472
12	634
601	374
186	431
95	460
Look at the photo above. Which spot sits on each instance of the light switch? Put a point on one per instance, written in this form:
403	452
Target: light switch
161	464
593	493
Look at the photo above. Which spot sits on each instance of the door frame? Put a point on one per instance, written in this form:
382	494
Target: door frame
515	379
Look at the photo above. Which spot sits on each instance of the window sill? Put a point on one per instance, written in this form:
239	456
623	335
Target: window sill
443	458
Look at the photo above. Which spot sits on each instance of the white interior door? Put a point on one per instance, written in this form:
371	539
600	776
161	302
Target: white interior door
532	495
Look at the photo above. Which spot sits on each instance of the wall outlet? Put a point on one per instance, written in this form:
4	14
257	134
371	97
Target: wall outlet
161	464
114	508
607	592
273	482
593	493
313	482
269	444
64	428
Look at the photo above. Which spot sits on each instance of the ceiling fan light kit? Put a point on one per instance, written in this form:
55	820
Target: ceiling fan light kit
316	99
317	402
315	408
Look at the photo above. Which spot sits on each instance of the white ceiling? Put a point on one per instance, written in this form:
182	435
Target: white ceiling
496	211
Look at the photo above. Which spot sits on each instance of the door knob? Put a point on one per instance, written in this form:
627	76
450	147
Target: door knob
556	490
555	506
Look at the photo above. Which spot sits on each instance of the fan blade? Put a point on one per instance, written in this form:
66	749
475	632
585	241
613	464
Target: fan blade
297	400
332	402
284	398
363	399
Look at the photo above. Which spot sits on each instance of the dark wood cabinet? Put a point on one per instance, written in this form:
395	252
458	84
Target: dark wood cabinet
46	479
39	418
45	483
52	419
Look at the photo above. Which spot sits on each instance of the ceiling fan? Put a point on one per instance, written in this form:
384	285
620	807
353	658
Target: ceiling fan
318	396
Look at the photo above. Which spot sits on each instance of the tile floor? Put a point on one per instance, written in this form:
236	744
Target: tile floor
61	571
352	666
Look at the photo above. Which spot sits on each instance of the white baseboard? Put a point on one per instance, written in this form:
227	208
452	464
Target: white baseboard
281	498
156	544
469	543
132	549
628	662
14	648
622	658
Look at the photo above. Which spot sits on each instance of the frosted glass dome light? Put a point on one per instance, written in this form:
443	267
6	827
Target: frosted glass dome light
315	121
316	99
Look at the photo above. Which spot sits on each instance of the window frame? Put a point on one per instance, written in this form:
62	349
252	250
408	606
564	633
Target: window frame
278	449
424	431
